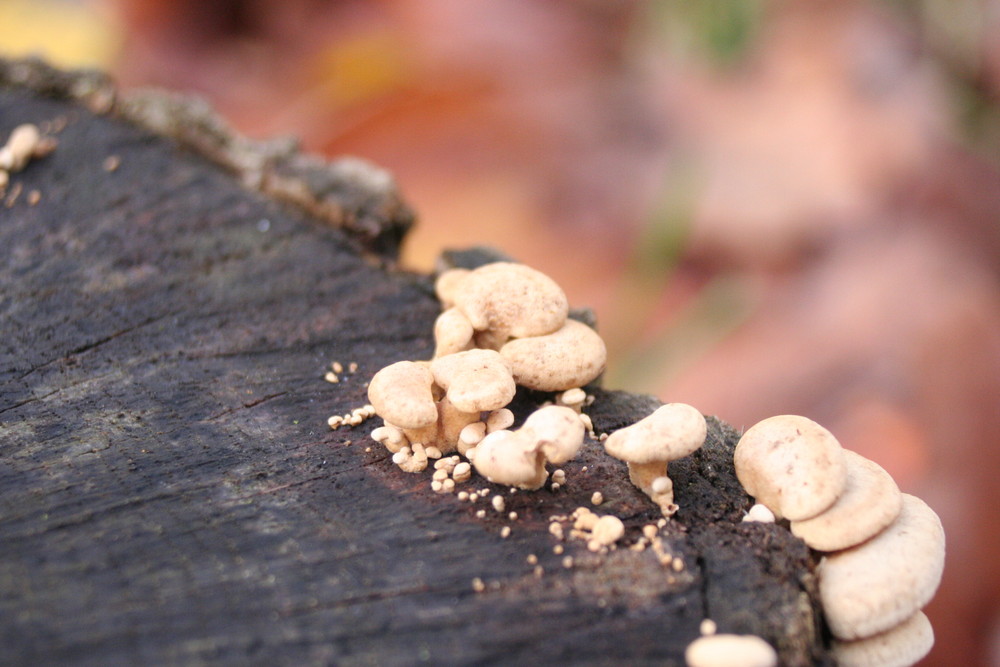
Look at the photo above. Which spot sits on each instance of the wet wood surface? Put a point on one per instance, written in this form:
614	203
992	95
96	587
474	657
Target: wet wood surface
170	492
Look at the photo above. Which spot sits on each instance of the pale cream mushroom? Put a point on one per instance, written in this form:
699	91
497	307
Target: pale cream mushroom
452	333
475	381
870	588
568	358
517	458
792	465
870	502
671	432
402	394
900	646
504	300
725	650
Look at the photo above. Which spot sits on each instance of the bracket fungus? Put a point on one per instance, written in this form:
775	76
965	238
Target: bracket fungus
869	502
792	465
517	458
904	644
870	588
671	432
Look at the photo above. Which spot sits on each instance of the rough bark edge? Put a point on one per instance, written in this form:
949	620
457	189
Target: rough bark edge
348	192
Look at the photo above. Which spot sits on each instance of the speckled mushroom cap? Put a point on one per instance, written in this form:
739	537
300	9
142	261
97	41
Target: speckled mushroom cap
870	502
509	457
900	646
874	586
452	332
672	431
571	357
475	380
507	299
448	284
558	430
402	395
792	465
726	650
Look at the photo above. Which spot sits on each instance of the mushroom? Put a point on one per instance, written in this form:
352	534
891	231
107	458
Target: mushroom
402	394
870	502
671	432
517	458
452	333
900	646
726	650
566	359
475	381
792	465
504	300
868	589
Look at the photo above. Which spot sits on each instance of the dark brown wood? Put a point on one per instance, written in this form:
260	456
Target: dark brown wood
170	492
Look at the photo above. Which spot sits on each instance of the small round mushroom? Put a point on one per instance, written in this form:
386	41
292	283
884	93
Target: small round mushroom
901	646
725	650
452	333
402	395
868	589
671	432
517	458
792	465
566	359
475	380
509	457
870	502
507	300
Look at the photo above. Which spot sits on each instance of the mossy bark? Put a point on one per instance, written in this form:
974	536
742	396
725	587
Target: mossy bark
170	492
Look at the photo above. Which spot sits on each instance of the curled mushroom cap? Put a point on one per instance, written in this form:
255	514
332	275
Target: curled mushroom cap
874	586
508	299
558	431
452	333
402	394
475	380
792	465
509	457
730	651
900	646
870	502
568	358
448	283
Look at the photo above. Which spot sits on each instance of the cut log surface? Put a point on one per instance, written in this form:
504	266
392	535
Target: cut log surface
170	492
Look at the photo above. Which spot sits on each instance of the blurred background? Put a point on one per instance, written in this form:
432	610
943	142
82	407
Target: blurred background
774	207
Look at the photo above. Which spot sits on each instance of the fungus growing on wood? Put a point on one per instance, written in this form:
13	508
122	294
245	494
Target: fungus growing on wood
517	458
568	358
792	465
725	650
673	431
870	588
870	502
900	646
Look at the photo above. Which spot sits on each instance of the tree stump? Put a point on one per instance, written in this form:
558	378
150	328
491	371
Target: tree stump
170	492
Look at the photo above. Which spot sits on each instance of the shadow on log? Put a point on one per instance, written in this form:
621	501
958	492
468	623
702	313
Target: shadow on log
169	489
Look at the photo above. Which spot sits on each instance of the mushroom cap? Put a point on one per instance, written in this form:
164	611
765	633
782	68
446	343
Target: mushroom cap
402	394
557	430
448	284
568	358
509	457
870	502
510	299
452	333
475	380
900	646
874	586
671	432
730	651
792	465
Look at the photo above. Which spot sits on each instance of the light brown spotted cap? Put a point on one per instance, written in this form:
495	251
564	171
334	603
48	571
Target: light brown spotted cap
870	502
792	465
402	395
876	585
900	646
570	357
475	380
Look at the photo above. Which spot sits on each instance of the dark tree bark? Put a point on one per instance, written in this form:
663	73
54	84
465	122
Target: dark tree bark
169	489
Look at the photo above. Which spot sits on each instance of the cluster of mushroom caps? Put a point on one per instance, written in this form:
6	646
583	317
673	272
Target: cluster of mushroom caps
504	324
882	550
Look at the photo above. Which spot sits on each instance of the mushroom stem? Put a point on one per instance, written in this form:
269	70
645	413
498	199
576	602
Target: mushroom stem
652	479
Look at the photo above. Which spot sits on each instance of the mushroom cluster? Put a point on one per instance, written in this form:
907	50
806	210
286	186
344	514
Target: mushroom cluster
883	550
504	324
671	432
